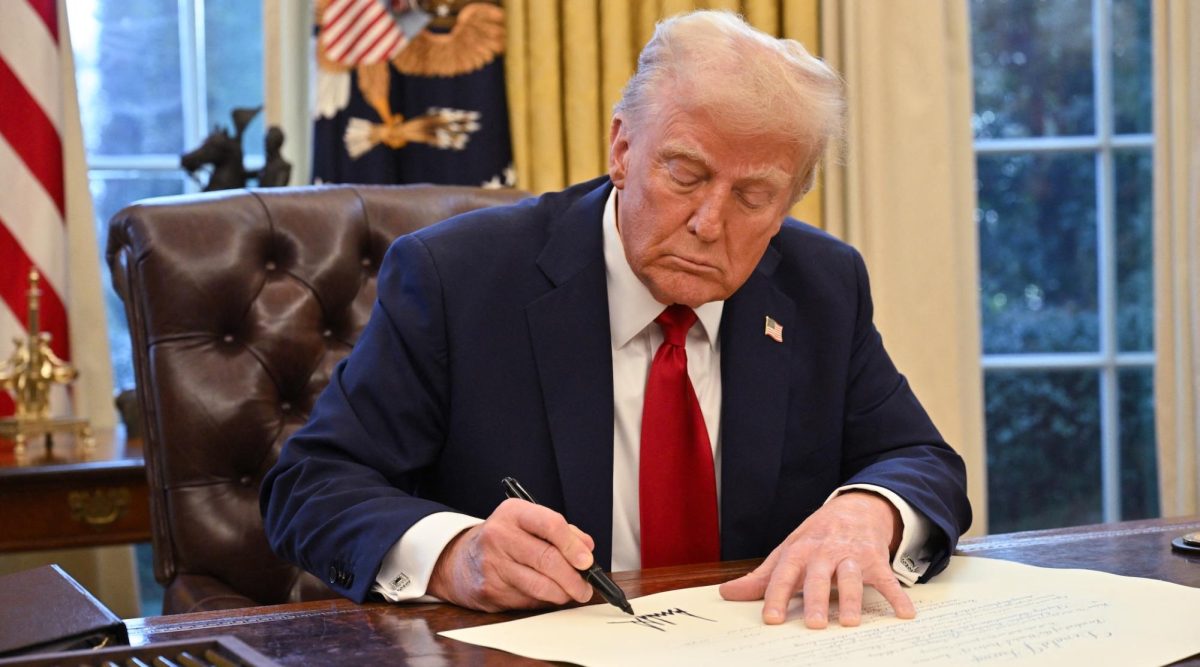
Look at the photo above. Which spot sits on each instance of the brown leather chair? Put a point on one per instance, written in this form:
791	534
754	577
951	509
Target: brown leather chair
240	303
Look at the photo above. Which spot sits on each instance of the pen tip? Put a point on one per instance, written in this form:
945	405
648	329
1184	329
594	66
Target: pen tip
628	609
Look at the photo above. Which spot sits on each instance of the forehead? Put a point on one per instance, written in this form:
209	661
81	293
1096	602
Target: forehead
706	145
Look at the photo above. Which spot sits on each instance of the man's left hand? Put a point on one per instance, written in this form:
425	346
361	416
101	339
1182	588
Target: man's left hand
848	541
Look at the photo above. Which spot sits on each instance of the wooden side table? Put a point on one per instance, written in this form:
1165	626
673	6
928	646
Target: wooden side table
72	500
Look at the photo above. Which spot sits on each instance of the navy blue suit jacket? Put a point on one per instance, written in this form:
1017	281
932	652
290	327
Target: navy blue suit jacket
488	355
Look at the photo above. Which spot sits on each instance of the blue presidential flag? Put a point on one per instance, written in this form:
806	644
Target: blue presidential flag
411	92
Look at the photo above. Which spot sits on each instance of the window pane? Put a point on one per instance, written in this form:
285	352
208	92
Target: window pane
1135	254
1037	253
112	193
233	34
1043	449
1132	92
1139	458
127	68
1032	65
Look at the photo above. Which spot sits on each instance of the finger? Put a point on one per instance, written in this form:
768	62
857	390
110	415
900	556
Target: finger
545	559
894	593
522	587
587	539
530	546
817	583
850	593
553	528
784	583
753	584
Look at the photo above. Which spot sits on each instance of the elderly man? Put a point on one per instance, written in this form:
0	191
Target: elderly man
674	369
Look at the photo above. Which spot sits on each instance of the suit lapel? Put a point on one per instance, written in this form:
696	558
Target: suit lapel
754	388
571	345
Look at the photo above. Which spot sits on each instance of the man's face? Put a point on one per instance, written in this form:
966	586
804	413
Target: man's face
696	205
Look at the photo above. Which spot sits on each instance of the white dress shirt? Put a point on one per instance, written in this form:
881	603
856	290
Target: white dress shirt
408	565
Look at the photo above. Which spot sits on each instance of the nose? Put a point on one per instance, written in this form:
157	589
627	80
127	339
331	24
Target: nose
706	221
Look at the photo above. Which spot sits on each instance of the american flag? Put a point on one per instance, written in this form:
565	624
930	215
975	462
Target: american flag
773	330
362	32
45	219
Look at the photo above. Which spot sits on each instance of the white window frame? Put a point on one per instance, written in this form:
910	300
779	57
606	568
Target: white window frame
1109	359
193	93
193	79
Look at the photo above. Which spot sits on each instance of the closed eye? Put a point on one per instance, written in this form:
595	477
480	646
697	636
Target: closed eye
755	199
682	174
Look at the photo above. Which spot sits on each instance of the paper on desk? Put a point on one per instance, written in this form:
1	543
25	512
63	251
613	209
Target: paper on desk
979	611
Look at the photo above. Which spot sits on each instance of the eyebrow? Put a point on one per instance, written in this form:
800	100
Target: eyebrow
687	152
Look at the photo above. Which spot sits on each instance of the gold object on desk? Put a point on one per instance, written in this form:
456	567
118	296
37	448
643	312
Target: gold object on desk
29	374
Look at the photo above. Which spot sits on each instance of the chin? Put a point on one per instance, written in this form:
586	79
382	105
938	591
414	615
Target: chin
688	296
668	287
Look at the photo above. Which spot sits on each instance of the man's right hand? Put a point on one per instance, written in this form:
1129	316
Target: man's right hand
523	556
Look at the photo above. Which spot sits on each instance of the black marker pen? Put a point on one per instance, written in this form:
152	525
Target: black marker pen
593	575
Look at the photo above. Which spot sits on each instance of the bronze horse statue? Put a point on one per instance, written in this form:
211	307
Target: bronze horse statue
223	152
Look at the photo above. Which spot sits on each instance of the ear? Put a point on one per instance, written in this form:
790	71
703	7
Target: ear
618	151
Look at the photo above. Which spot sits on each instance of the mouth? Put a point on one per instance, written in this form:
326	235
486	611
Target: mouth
690	265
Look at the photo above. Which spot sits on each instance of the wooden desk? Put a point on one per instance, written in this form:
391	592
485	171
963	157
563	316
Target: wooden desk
73	501
341	632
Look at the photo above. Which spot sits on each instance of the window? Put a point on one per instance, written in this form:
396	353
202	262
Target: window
154	78
1064	147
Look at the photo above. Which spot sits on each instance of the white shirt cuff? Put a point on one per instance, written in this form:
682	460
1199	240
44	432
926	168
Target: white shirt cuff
408	565
912	556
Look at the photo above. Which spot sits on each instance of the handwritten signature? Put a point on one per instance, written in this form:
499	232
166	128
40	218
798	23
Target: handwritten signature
659	619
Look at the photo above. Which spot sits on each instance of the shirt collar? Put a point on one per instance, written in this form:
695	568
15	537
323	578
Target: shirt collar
631	308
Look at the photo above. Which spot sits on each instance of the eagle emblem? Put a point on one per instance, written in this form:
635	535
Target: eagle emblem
369	37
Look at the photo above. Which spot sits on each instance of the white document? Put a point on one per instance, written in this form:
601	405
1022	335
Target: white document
979	611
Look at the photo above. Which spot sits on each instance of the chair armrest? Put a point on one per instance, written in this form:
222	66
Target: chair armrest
198	592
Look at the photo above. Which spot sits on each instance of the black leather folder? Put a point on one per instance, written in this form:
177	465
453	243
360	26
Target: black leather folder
44	609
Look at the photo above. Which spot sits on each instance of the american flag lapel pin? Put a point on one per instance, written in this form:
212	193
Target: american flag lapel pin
773	330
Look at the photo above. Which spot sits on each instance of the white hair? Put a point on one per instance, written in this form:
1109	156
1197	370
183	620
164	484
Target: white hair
751	82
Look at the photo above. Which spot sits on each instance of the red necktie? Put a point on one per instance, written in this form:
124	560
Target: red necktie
678	490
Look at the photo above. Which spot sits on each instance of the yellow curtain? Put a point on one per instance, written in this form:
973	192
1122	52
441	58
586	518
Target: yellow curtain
905	198
568	60
1177	253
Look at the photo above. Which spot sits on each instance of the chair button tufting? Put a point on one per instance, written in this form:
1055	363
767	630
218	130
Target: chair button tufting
328	333
285	406
366	261
228	338
270	266
246	480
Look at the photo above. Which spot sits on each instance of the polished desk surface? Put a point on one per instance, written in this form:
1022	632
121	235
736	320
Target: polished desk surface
73	498
341	632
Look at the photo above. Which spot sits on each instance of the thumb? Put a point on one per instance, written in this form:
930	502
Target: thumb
752	585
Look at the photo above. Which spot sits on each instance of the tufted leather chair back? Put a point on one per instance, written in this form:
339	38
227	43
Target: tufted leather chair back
240	303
